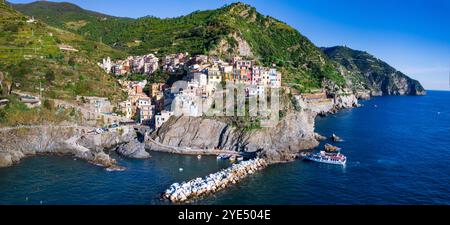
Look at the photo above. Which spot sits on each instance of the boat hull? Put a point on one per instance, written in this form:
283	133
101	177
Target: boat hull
334	162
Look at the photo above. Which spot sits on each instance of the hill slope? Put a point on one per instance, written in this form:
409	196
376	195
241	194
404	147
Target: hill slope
236	29
30	58
63	15
367	72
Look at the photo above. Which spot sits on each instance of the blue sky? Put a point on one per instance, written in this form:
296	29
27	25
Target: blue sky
413	36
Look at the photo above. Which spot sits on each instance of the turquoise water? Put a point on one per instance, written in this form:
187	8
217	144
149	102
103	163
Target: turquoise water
398	151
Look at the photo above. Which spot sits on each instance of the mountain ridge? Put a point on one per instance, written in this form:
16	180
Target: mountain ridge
235	29
365	71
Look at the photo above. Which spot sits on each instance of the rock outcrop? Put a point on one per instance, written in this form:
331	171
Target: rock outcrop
345	101
331	148
336	138
133	149
75	141
295	132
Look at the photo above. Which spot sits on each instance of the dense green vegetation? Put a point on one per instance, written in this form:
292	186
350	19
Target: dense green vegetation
201	32
31	60
367	72
63	15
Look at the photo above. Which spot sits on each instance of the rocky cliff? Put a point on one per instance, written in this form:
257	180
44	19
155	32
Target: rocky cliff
295	132
366	74
73	141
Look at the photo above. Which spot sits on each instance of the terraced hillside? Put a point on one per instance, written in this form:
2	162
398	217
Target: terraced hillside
32	59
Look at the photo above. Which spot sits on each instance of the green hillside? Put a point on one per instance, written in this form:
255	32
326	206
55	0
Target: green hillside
367	72
30	58
63	15
235	29
221	32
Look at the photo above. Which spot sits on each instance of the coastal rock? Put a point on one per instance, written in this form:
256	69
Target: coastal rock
108	140
69	140
45	139
133	149
331	148
363	95
335	138
5	159
295	132
319	137
281	143
103	159
193	132
345	101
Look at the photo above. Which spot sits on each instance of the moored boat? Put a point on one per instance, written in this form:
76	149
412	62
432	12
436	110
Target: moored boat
223	157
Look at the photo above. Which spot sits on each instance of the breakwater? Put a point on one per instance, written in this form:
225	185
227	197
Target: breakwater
179	193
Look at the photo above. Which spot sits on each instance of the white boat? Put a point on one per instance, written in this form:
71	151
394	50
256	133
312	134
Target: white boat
223	157
329	158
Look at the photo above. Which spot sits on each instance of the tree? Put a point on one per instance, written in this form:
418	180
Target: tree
49	104
50	75
11	27
71	62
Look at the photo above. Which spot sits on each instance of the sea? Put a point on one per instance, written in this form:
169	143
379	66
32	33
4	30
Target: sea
397	148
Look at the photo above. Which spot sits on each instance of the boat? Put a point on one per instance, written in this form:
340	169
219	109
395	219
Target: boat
223	157
329	158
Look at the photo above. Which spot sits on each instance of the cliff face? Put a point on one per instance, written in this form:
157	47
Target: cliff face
61	140
295	132
365	73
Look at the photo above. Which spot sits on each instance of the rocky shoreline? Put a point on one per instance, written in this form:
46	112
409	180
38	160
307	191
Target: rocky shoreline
76	141
295	132
182	135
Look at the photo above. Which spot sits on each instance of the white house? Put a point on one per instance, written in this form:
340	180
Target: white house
107	65
143	101
214	75
162	117
201	79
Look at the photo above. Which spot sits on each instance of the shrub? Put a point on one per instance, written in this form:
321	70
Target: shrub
49	104
50	75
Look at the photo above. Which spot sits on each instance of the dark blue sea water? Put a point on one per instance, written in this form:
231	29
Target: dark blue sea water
398	151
